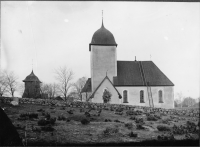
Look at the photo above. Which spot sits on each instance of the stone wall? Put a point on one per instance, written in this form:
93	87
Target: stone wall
183	112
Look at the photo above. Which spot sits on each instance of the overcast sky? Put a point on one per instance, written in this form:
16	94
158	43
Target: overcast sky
54	34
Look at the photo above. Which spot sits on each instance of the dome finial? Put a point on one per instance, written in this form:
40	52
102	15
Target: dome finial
102	19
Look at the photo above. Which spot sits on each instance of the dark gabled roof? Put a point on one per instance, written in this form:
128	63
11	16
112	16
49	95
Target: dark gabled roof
32	78
101	84
103	37
139	73
128	73
88	86
154	75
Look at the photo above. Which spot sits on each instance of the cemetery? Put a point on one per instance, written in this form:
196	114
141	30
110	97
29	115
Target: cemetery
54	122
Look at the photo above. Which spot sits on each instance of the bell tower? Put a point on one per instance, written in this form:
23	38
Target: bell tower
103	56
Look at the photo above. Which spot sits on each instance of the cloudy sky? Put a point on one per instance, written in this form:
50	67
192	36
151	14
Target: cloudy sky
54	34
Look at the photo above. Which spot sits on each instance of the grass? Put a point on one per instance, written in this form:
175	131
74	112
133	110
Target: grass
74	132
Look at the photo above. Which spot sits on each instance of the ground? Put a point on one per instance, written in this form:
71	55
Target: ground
72	131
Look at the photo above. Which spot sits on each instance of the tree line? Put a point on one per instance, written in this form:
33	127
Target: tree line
182	101
63	87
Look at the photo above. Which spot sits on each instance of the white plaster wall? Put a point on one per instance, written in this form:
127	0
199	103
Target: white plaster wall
103	58
99	93
168	97
134	96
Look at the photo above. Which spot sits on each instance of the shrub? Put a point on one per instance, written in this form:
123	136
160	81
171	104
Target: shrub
41	110
52	120
62	108
189	136
132	117
163	128
131	134
108	120
33	115
179	129
106	96
23	115
116	120
119	109
47	128
165	121
110	130
139	126
152	118
139	120
190	123
157	116
47	115
85	121
70	111
166	137
82	110
42	122
111	109
20	127
68	120
130	112
53	111
87	114
119	113
129	125
61	117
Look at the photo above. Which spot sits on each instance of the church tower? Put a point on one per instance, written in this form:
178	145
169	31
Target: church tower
103	56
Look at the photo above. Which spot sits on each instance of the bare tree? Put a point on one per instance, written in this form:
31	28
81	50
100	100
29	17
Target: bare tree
53	88
78	86
43	89
11	82
3	84
49	89
21	88
179	98
64	77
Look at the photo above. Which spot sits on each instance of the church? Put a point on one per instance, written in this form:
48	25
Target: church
139	83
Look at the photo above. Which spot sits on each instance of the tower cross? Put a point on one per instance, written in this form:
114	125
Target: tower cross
32	64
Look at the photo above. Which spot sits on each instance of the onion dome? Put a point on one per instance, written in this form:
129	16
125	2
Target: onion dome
32	78
103	37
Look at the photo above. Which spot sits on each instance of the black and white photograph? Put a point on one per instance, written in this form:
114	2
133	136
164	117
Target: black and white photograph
99	73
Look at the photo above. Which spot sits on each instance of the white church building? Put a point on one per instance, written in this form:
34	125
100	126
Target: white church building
129	82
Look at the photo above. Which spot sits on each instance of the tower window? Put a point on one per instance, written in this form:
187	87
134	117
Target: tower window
125	96
160	95
142	96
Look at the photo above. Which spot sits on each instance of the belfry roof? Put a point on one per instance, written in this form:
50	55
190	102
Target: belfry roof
32	78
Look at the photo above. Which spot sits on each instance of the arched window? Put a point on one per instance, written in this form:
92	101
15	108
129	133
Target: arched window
160	95
125	96
142	96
